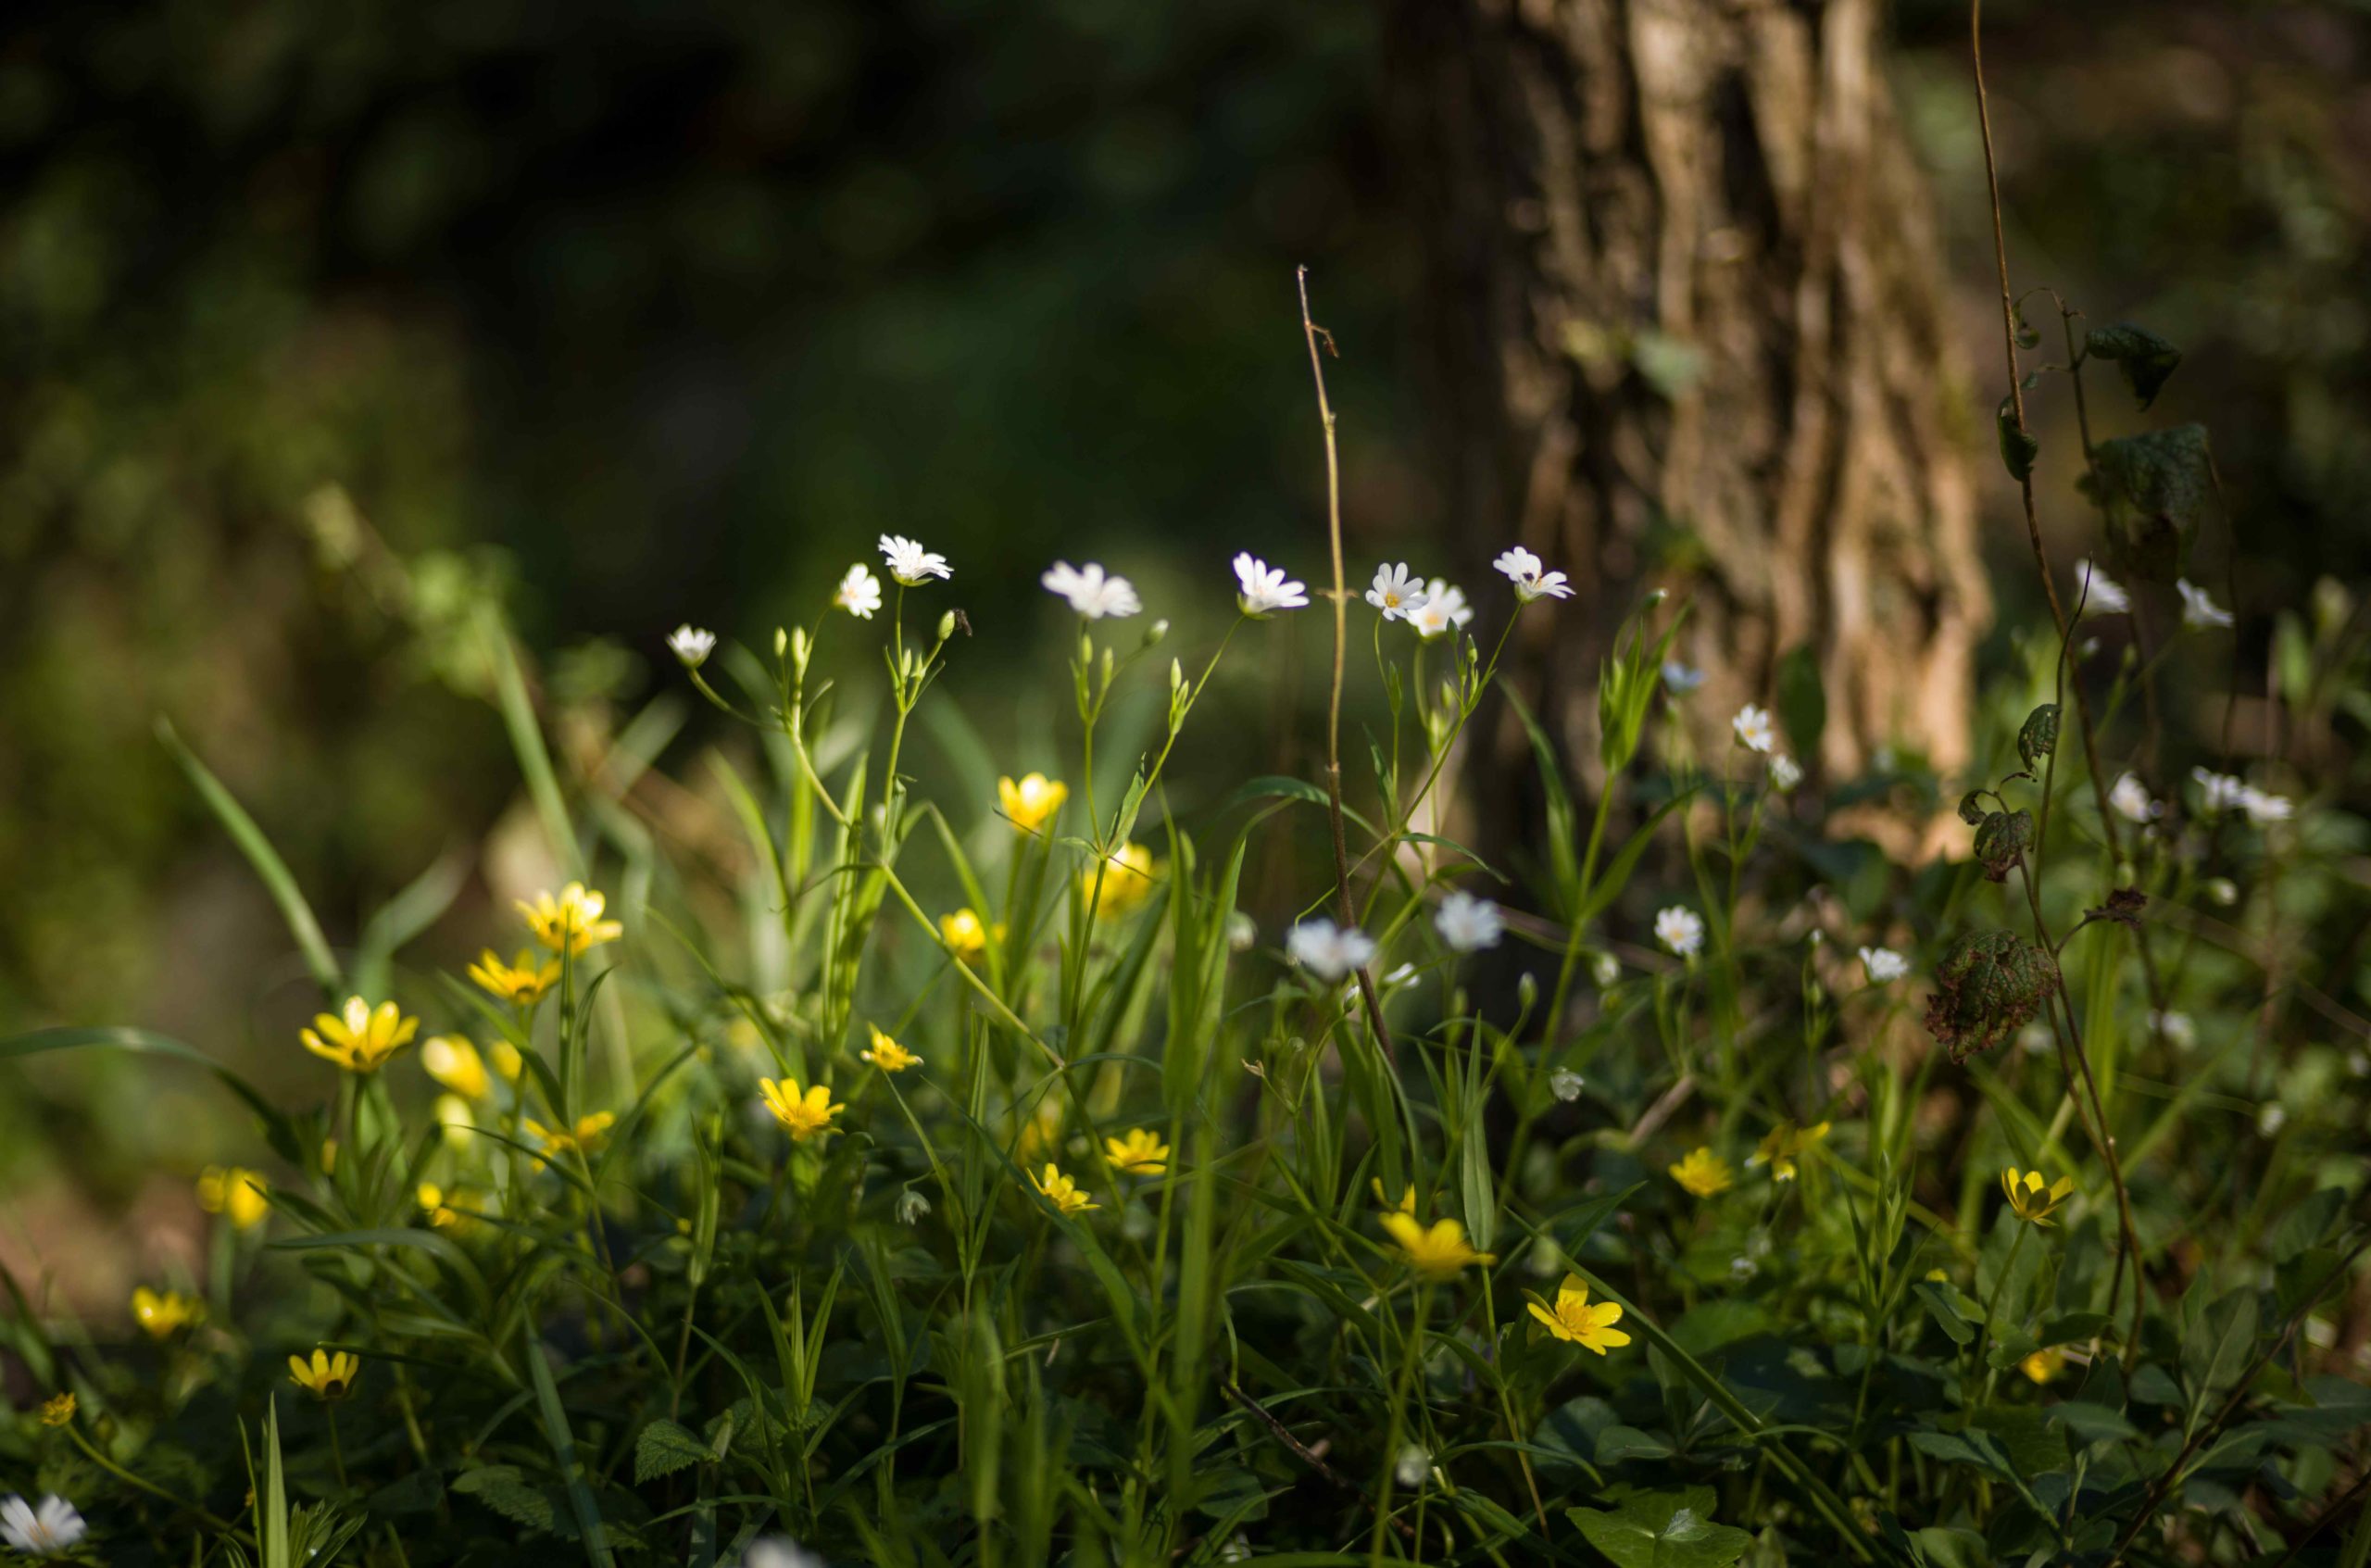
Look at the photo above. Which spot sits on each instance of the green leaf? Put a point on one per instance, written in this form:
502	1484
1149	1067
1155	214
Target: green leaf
563	1445
662	1448
2001	840
2217	1343
2018	449
2152	490
1662	1530
277	879
1988	989
502	1489
1802	699
2145	359
2039	738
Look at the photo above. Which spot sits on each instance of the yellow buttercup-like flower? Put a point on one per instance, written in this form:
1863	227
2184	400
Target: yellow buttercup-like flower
455	1063
578	1139
363	1037
803	1115
1062	1192
1127	880
887	1054
235	1192
523	982
1407	1204
1439	1252
459	1121
507	1063
1705	1174
570	922
440	1207
164	1312
2031	1199
58	1411
1031	804
2044	1364
1785	1144
1576	1322
1141	1153
327	1376
967	936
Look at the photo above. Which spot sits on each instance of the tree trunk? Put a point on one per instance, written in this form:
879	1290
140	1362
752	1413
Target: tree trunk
1689	324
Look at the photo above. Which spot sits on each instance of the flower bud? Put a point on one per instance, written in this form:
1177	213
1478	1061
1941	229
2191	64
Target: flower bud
947	626
1526	991
1155	631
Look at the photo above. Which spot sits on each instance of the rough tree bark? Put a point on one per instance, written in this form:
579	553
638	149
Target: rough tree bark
1689	324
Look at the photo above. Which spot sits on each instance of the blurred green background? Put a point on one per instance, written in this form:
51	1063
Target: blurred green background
325	321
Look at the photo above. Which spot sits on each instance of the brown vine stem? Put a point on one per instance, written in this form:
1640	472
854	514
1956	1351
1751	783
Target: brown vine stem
2106	1136
1349	915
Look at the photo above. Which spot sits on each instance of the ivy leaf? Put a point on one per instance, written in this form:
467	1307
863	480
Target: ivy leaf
2018	448
1661	1530
662	1448
2153	489
2145	359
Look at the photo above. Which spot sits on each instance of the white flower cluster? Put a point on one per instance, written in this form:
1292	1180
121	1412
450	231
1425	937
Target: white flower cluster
2221	792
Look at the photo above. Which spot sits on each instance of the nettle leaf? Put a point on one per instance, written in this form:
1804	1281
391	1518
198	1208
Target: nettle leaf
2145	359
1661	1530
662	1448
2018	449
2039	738
502	1489
2153	488
2001	840
1988	989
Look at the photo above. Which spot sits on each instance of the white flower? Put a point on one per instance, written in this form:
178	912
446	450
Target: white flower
1467	923
1265	588
1566	1085
691	644
2264	809
1682	678
1239	1549
1395	593
1451	600
2218	792
2130	798
1605	969
47	1531
2177	1027
1327	951
1242	931
2036	1038
1410	1468
1784	773
779	1551
2200	612
2271	1118
909	563
2101	594
912	1207
1884	966
1091	592
859	591
1681	930
1522	568
1753	728
2222	890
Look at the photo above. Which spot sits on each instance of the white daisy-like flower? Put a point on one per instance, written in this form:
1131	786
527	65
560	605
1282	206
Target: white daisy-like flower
1091	591
1266	589
47	1531
2222	890
1469	924
1605	969
1451	600
1526	571
2179	1028
2101	594
2036	1038
1884	965
2264	808
2272	1118
2200	612
1785	773
1242	932
1681	679
1327	951
2218	792
691	644
1566	1085
1414	1463
909	563
2130	798
779	1551
859	593
1680	929
912	1207
1753	729
1395	593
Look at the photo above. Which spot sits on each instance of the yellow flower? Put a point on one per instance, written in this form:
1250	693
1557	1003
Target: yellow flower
328	1376
2031	1199
460	1122
1704	1172
577	1139
803	1116
58	1411
1939	1276
887	1054
2043	1365
507	1063
1407	1204
236	1192
1141	1153
438	1205
1031	804
1040	1133
455	1063
1127	880
1437	1253
329	1156
164	1312
524	982
1785	1145
570	922
1576	1322
363	1039
967	936
1062	1192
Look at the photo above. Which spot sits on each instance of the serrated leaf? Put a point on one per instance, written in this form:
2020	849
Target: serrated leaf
503	1489
662	1448
2145	359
